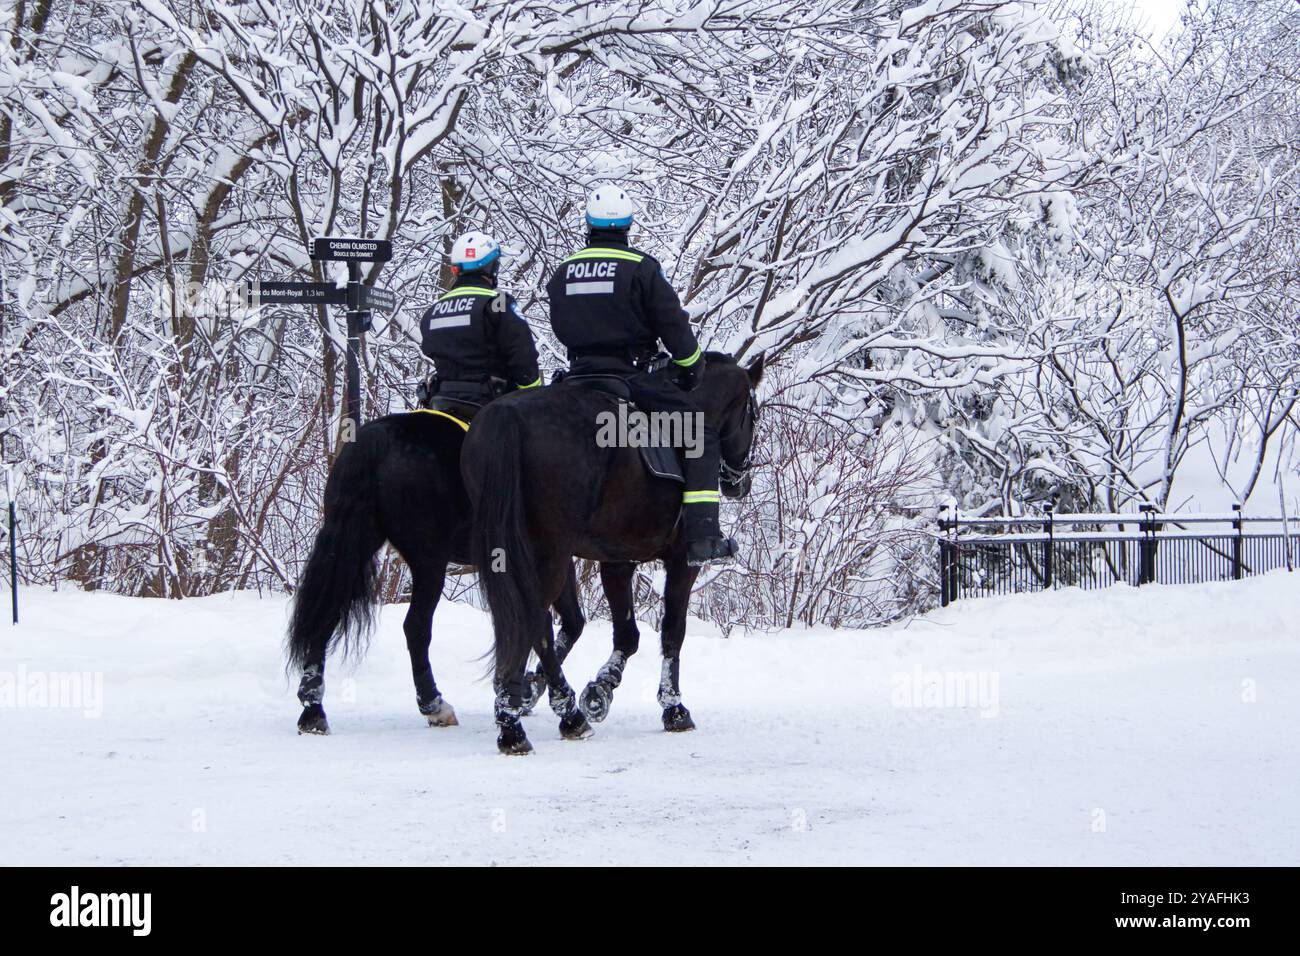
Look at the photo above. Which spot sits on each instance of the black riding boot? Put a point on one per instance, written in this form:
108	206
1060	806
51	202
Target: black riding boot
705	543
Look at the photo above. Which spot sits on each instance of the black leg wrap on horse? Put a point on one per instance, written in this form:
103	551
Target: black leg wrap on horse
511	738
669	682
311	689
509	697
563	644
563	701
598	695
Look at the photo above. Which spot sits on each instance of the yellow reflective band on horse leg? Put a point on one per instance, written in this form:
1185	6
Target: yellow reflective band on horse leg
532	384
688	362
433	411
701	497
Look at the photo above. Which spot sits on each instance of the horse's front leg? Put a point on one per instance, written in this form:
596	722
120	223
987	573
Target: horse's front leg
598	696
426	588
677	597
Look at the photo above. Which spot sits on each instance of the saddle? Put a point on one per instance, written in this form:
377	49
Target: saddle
460	411
660	461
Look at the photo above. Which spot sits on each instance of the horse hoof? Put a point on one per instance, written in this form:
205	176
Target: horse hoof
677	719
313	720
595	701
575	727
443	715
512	741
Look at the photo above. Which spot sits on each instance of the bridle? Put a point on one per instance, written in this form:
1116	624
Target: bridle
736	475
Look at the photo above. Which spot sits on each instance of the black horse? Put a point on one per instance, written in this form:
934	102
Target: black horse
543	491
400	482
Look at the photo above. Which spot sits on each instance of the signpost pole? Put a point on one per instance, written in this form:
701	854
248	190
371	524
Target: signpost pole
13	545
13	557
352	400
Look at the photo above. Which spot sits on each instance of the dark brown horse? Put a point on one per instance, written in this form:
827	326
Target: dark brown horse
398	482
545	490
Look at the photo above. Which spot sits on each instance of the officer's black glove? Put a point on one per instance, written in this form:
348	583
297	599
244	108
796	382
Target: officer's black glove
426	391
689	378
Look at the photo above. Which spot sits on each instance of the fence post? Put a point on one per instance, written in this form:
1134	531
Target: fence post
1147	545
944	597
1236	543
954	558
1049	556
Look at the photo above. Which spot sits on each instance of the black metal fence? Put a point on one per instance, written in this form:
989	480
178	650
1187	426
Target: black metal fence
979	557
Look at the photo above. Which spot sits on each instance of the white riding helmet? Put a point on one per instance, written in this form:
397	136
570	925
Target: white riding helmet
609	207
474	250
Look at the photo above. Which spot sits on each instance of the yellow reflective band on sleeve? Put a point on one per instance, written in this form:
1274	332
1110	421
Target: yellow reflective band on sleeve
433	411
688	362
700	497
596	253
467	290
533	384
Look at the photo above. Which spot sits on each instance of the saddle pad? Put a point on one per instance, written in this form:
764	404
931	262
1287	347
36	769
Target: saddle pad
659	461
462	413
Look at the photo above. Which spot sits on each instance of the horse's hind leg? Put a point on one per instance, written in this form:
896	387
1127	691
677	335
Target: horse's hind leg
554	577
677	597
572	621
426	588
311	694
599	694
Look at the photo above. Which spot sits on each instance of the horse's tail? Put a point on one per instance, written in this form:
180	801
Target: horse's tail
335	598
501	548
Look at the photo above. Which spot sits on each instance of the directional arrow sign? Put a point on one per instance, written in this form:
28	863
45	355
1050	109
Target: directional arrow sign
288	293
339	249
374	298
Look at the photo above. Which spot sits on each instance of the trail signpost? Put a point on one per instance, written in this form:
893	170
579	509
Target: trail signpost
359	299
13	545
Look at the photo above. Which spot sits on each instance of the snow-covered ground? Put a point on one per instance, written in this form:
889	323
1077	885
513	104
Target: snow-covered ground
1120	727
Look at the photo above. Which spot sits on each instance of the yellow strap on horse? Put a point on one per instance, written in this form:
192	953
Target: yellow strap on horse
433	411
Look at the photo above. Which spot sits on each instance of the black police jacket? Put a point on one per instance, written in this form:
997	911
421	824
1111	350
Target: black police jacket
474	332
610	300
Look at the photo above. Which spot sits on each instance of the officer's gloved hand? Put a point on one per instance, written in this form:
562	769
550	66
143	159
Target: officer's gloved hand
689	378
425	391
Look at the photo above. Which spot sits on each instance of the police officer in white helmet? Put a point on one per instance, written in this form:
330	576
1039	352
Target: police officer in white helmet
474	332
611	306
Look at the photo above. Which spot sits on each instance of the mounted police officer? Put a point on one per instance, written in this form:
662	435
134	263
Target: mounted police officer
611	306
479	343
